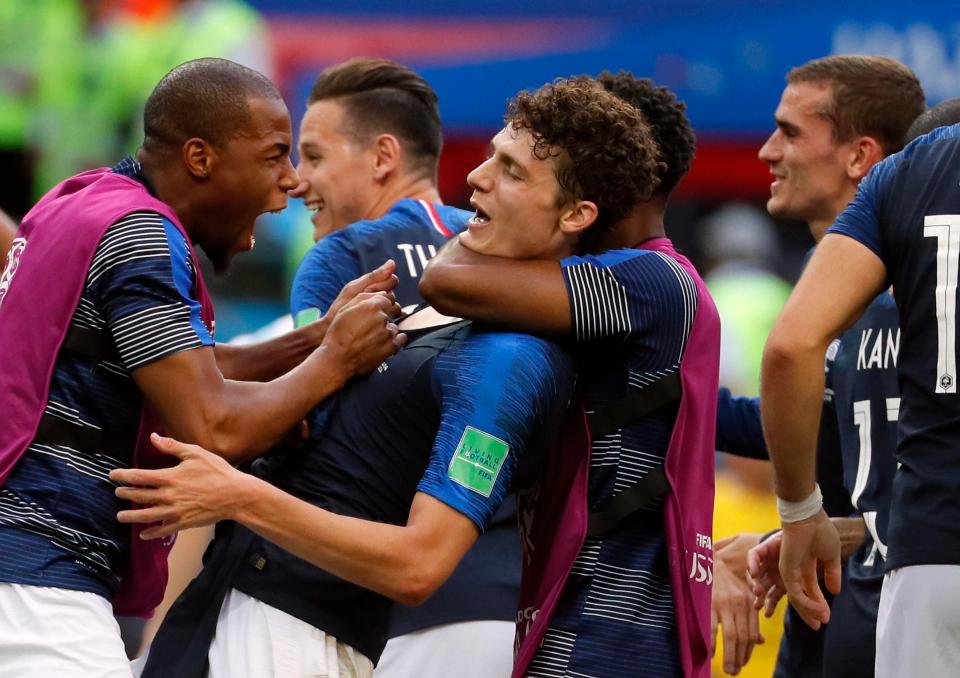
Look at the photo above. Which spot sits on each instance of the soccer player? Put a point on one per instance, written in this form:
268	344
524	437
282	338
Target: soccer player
107	332
838	116
861	378
415	460
631	605
369	146
899	229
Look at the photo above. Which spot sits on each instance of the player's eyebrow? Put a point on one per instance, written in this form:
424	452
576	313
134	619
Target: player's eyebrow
280	147
510	162
786	126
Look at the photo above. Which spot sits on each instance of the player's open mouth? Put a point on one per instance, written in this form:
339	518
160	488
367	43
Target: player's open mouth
480	218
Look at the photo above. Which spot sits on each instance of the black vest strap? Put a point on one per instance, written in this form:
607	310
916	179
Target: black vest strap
666	391
56	431
653	486
635	405
97	344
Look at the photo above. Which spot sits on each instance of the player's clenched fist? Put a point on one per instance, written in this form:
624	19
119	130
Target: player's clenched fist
362	334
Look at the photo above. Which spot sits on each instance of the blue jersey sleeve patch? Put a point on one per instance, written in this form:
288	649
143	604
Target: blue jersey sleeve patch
496	390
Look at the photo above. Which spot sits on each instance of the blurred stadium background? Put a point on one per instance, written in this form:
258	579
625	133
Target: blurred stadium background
74	73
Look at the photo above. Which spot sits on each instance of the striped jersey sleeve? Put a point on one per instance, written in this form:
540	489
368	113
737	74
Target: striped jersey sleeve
629	293
142	287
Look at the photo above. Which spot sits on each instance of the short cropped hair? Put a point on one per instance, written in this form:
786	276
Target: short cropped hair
381	96
871	95
605	151
205	98
668	122
945	113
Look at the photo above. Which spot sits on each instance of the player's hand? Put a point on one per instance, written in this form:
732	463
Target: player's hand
732	602
763	568
807	544
380	279
362	335
201	490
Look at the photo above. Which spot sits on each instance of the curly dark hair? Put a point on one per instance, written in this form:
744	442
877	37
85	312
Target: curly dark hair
605	151
668	122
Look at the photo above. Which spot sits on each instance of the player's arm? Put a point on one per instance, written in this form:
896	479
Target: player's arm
528	295
839	282
454	502
731	604
239	419
403	562
270	359
739	429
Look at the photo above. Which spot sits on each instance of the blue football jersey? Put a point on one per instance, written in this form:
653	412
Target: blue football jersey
863	399
907	211
410	234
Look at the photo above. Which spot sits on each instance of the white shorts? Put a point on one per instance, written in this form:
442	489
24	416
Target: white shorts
48	632
475	649
918	626
255	640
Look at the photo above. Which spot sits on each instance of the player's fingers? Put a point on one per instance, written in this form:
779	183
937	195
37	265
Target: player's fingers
753	630
140	495
139	477
811	585
744	641
172	447
383	285
772	599
160	531
151	514
832	575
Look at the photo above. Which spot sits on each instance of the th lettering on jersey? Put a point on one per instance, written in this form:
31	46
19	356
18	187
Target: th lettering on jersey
424	253
879	348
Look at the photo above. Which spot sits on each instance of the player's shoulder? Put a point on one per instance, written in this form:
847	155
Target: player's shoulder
608	259
632	269
921	156
511	350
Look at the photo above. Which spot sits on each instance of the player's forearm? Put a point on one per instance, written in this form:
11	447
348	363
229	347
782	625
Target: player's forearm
380	557
852	533
526	295
270	359
251	417
234	419
791	393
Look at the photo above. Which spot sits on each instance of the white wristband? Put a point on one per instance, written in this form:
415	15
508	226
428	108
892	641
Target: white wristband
795	511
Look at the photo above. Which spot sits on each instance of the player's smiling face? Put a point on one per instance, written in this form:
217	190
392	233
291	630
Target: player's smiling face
808	164
517	201
336	170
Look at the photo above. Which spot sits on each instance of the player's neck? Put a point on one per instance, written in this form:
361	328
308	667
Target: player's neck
411	186
818	228
645	221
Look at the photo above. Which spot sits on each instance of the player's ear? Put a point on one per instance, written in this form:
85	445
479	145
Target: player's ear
199	156
578	216
386	156
865	153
